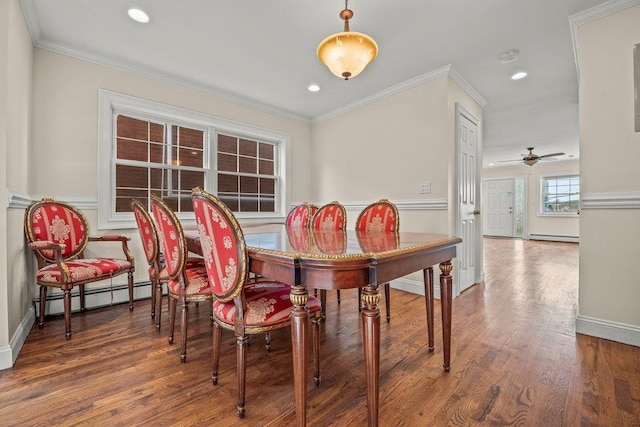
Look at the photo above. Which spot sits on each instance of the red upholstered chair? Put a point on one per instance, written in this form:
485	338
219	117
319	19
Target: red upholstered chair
187	276
242	305
58	234
300	216
151	246
331	216
378	217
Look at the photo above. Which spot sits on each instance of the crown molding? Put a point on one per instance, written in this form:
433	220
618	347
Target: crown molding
447	70
592	14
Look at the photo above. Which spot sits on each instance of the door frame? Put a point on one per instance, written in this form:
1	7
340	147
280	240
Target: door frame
478	273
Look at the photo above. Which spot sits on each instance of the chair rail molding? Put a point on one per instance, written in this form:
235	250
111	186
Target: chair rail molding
405	205
18	200
626	200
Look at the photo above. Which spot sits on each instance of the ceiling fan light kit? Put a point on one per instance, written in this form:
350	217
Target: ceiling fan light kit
532	158
346	54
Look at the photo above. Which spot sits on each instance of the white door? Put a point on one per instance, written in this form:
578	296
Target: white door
498	204
469	253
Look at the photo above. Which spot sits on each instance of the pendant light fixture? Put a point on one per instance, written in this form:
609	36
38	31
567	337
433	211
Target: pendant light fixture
347	53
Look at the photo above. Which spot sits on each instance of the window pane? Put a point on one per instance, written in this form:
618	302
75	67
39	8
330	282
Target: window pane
267	186
561	194
191	138
227	183
248	148
248	185
248	204
247	165
131	149
131	176
156	153
191	179
190	157
156	132
266	151
227	144
227	162
131	128
230	201
267	205
266	167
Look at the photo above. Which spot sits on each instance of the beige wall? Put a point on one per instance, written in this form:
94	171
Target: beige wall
65	117
609	153
536	223
16	60
384	149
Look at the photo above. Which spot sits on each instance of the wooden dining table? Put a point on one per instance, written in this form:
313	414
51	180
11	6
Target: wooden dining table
338	259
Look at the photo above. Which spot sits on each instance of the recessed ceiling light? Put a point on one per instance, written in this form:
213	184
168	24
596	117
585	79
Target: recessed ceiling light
138	15
313	88
519	75
508	56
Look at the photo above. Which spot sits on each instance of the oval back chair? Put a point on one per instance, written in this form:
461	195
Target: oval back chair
187	277
241	304
58	234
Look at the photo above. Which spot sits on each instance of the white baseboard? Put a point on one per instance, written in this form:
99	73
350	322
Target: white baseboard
9	353
415	287
552	238
619	332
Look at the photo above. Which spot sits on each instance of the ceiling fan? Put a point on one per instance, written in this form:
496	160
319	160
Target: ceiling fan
532	158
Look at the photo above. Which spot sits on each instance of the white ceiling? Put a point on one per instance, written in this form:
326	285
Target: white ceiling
263	53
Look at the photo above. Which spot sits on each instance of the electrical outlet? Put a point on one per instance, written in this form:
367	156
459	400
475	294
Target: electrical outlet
424	187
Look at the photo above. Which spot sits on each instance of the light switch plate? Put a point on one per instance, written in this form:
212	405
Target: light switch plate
424	187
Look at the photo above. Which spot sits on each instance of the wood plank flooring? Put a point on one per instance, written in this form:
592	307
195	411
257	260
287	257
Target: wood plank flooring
516	360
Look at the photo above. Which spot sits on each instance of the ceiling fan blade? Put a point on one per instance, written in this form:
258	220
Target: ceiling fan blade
503	161
551	155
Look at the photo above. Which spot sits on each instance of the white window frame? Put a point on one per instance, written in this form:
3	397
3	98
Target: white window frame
541	211
110	104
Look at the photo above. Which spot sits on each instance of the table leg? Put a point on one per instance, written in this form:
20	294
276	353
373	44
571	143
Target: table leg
446	288
371	334
428	299
299	322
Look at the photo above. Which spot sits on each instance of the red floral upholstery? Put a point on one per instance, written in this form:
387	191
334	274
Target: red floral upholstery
301	215
187	276
58	234
267	304
241	305
379	216
330	216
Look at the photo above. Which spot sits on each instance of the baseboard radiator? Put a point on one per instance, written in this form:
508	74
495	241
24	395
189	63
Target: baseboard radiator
554	238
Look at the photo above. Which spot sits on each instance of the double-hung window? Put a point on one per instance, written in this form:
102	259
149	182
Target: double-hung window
148	148
560	195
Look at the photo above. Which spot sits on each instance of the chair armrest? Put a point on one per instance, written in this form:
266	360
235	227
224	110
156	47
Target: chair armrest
47	245
117	238
109	238
43	245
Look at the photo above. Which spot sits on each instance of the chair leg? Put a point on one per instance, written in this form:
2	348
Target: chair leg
172	317
323	303
387	301
217	332
316	349
338	291
158	304
241	344
43	304
67	313
267	341
153	299
83	306
183	326
359	299
130	277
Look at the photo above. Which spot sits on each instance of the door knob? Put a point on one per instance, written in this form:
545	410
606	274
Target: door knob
476	212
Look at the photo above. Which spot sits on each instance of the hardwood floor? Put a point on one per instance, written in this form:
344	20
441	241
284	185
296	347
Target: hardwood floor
516	360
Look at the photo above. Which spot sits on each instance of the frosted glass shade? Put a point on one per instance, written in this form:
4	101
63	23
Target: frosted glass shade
346	54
